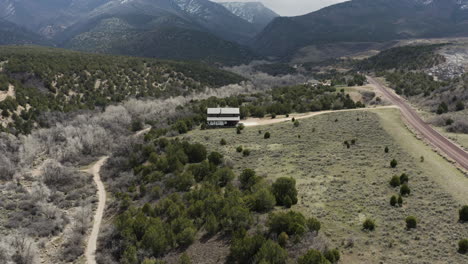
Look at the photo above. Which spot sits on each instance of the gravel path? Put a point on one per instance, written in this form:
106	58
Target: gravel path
92	240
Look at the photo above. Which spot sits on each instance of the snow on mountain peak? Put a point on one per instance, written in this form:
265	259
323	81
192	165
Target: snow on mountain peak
248	10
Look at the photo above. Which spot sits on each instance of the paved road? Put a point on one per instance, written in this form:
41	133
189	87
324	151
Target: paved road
90	253
426	131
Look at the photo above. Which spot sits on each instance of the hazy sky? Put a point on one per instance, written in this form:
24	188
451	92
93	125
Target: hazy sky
291	7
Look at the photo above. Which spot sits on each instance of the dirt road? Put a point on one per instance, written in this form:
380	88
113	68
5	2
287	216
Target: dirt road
268	121
92	240
424	130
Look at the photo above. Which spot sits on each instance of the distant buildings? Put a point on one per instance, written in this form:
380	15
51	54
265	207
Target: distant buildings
223	116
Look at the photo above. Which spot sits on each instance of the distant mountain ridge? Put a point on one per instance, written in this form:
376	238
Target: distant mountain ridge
364	20
254	12
208	31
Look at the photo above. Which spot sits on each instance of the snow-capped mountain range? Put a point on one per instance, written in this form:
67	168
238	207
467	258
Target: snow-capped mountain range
253	12
139	27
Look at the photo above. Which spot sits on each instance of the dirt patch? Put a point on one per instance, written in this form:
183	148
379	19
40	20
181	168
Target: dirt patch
10	93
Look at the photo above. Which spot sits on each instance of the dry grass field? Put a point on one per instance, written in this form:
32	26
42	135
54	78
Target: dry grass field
343	186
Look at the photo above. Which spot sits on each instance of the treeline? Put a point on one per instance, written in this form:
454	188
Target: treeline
174	192
47	79
276	69
403	58
278	101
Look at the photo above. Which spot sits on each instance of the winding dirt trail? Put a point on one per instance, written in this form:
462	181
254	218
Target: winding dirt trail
440	142
90	253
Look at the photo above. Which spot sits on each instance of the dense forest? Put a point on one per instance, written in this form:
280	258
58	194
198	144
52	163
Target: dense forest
46	79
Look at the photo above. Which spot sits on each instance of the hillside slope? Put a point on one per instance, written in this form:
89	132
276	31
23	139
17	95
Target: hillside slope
14	34
47	79
173	29
365	20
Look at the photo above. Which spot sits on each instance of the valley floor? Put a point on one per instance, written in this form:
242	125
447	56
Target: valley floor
344	186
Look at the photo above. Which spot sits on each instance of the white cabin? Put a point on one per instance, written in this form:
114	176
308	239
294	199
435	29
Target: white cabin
223	116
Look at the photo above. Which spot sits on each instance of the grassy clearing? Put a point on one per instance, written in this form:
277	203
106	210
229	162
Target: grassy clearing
343	186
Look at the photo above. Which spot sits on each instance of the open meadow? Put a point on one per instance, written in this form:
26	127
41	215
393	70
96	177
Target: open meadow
342	186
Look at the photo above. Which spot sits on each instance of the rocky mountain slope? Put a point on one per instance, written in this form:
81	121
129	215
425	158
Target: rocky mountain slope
253	12
205	30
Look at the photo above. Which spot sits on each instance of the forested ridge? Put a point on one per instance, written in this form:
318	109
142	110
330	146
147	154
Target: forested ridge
48	79
403	58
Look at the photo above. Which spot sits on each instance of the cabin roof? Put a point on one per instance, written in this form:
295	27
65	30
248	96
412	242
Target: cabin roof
226	111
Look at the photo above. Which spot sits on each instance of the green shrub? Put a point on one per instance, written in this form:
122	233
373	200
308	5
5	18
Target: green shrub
211	224
292	223
404	178
129	256
200	171
393	163
215	158
368	224
296	123
239	149
284	188
400	200
463	214
271	252
183	181
313	257
223	176
186	237
244	249
196	153
261	201
155	238
411	222
267	135
137	125
246	152
283	239
313	224
387	149
332	255
185	259
463	246
248	178
393	200
156	192
395	181
405	190
222	142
